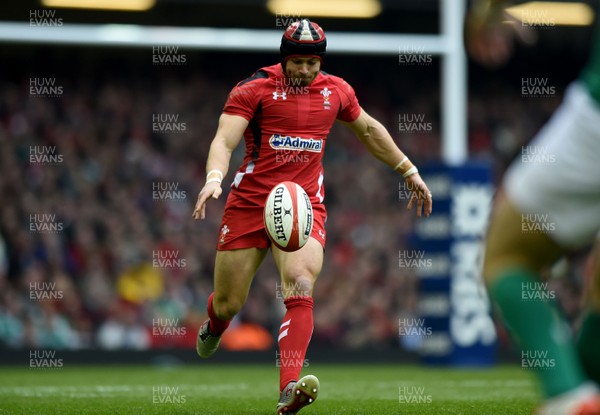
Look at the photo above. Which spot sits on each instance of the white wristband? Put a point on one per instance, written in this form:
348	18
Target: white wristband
410	172
215	171
404	160
214	179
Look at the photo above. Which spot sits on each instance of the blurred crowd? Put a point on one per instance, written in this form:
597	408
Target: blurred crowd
93	256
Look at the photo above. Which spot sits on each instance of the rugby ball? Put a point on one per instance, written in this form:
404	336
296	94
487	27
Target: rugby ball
288	216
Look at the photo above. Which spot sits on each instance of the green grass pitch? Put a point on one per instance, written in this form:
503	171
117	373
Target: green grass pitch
207	389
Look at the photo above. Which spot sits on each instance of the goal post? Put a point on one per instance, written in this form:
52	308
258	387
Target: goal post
447	44
452	299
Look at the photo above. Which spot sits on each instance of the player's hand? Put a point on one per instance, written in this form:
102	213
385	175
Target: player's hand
210	190
420	195
490	33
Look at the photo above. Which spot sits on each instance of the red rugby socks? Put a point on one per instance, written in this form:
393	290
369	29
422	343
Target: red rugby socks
294	335
217	326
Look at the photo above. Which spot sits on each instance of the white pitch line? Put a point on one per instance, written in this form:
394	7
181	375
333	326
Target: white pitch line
115	390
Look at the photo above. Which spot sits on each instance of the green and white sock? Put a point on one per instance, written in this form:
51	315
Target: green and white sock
540	330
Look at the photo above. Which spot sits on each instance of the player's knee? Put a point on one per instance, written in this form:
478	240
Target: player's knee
227	307
492	269
503	242
502	258
498	259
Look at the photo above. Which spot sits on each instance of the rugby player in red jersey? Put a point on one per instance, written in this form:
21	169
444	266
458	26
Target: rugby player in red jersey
284	109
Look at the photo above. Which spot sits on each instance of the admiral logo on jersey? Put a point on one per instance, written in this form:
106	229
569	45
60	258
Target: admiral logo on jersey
287	142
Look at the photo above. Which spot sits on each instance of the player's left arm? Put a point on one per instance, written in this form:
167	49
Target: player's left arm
380	144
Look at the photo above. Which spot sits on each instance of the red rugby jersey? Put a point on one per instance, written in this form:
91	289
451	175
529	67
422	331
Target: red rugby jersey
287	131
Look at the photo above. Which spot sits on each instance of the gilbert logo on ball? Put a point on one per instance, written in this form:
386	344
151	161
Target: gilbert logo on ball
288	216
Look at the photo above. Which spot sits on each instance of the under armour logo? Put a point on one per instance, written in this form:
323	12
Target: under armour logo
224	232
282	95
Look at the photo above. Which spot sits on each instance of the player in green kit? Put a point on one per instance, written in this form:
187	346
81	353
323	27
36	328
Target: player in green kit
543	210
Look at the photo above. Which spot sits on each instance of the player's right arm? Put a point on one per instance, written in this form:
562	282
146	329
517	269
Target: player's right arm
229	133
